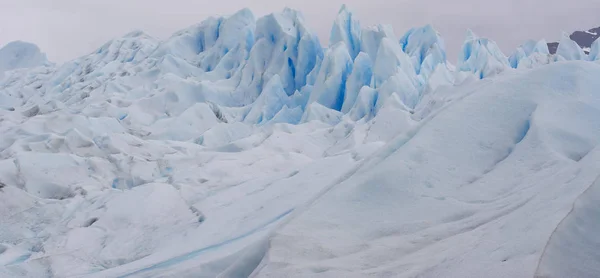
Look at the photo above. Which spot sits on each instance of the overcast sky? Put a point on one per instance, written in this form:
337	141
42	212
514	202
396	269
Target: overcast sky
66	29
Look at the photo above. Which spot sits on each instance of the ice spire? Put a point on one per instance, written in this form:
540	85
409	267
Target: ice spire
346	29
481	56
569	50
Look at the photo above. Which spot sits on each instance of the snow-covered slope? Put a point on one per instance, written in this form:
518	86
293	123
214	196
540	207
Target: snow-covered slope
241	146
475	189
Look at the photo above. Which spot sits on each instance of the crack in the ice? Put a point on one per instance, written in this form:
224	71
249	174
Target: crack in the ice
195	253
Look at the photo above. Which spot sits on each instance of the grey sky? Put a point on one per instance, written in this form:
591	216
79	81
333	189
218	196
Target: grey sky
66	29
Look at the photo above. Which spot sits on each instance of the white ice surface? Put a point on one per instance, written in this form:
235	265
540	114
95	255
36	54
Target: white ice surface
476	189
240	147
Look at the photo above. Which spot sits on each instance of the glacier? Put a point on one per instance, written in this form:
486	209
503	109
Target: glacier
241	147
21	55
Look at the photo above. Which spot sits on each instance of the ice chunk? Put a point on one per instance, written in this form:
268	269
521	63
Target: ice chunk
270	101
279	38
516	57
190	124
399	84
318	112
288	115
283	47
530	54
224	133
425	47
595	51
346	29
529	47
481	56
393	72
391	60
330	86
371	38
362	72
570	50
393	118
234	41
435	57
535	60
364	106
441	76
309	53
541	47
311	78
300	98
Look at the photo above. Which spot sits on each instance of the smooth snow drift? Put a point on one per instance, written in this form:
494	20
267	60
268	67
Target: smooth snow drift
241	147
